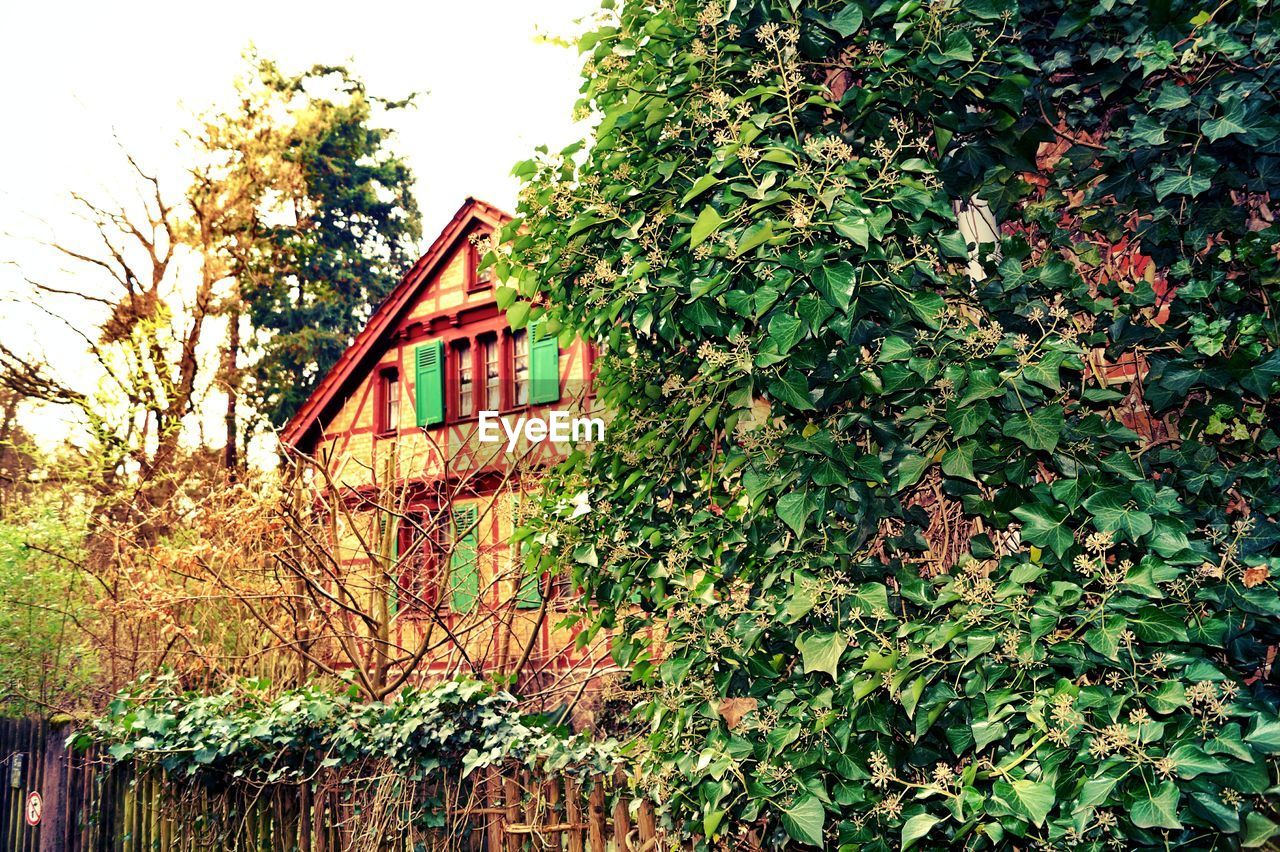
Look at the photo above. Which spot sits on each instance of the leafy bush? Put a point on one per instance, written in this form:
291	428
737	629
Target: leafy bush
946	544
261	737
45	660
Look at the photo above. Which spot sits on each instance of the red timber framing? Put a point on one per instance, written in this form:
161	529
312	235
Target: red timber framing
445	305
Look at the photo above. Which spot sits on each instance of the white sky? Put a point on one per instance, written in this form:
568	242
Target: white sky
74	73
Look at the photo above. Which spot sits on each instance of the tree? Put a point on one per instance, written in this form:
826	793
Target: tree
325	225
937	557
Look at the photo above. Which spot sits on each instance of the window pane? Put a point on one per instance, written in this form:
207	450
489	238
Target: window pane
391	393
492	376
520	367
466	388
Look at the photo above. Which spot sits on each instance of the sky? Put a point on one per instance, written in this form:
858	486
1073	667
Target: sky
79	75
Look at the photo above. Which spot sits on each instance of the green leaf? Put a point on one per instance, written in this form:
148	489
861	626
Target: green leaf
1257	830
1029	799
1153	624
1045	371
821	652
792	388
965	420
1235	119
1038	429
958	461
700	186
917	827
1114	510
855	228
987	732
1182	183
1265	735
1045	526
794	509
708	222
1105	638
1158	809
755	235
804	819
835	282
847	20
786	331
1192	761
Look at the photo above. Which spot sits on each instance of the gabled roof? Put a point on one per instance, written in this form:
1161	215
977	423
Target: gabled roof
363	351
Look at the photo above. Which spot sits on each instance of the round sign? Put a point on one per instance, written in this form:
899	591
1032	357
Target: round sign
34	807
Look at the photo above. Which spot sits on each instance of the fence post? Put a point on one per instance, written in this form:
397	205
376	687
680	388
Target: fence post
53	824
596	825
573	814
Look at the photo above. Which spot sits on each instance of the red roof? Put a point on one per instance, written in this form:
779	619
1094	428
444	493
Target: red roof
363	351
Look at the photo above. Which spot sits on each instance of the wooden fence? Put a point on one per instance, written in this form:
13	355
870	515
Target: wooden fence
92	804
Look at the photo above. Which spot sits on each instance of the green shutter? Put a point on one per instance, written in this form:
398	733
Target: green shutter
544	366
464	562
428	386
530	596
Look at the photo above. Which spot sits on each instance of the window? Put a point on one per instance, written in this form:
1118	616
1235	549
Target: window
520	368
390	414
466	387
477	278
419	567
492	376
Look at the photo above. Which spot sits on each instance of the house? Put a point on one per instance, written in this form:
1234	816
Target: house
395	427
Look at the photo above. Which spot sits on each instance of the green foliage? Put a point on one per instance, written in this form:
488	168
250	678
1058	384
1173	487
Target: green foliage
810	392
262	737
44	661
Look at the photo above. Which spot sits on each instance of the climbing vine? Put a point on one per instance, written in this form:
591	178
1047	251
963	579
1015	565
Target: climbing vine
906	538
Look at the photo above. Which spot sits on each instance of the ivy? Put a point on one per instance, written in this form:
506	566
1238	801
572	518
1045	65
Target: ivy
979	541
257	735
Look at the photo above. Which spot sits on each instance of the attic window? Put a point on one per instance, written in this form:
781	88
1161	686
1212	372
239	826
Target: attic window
477	278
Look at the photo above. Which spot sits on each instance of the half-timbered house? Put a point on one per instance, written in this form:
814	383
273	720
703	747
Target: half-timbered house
395	426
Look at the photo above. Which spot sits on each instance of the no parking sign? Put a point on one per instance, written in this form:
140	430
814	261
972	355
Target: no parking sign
34	807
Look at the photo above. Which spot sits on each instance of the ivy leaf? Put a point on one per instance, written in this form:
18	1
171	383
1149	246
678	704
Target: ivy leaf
792	388
1028	799
1235	119
1105	638
804	819
1038	429
965	420
794	509
1192	761
958	461
1152	624
708	222
821	652
855	228
1045	526
786	331
835	282
1158	809
1182	183
1257	830
917	827
1265	735
847	20
700	186
755	235
1113	510
1045	371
